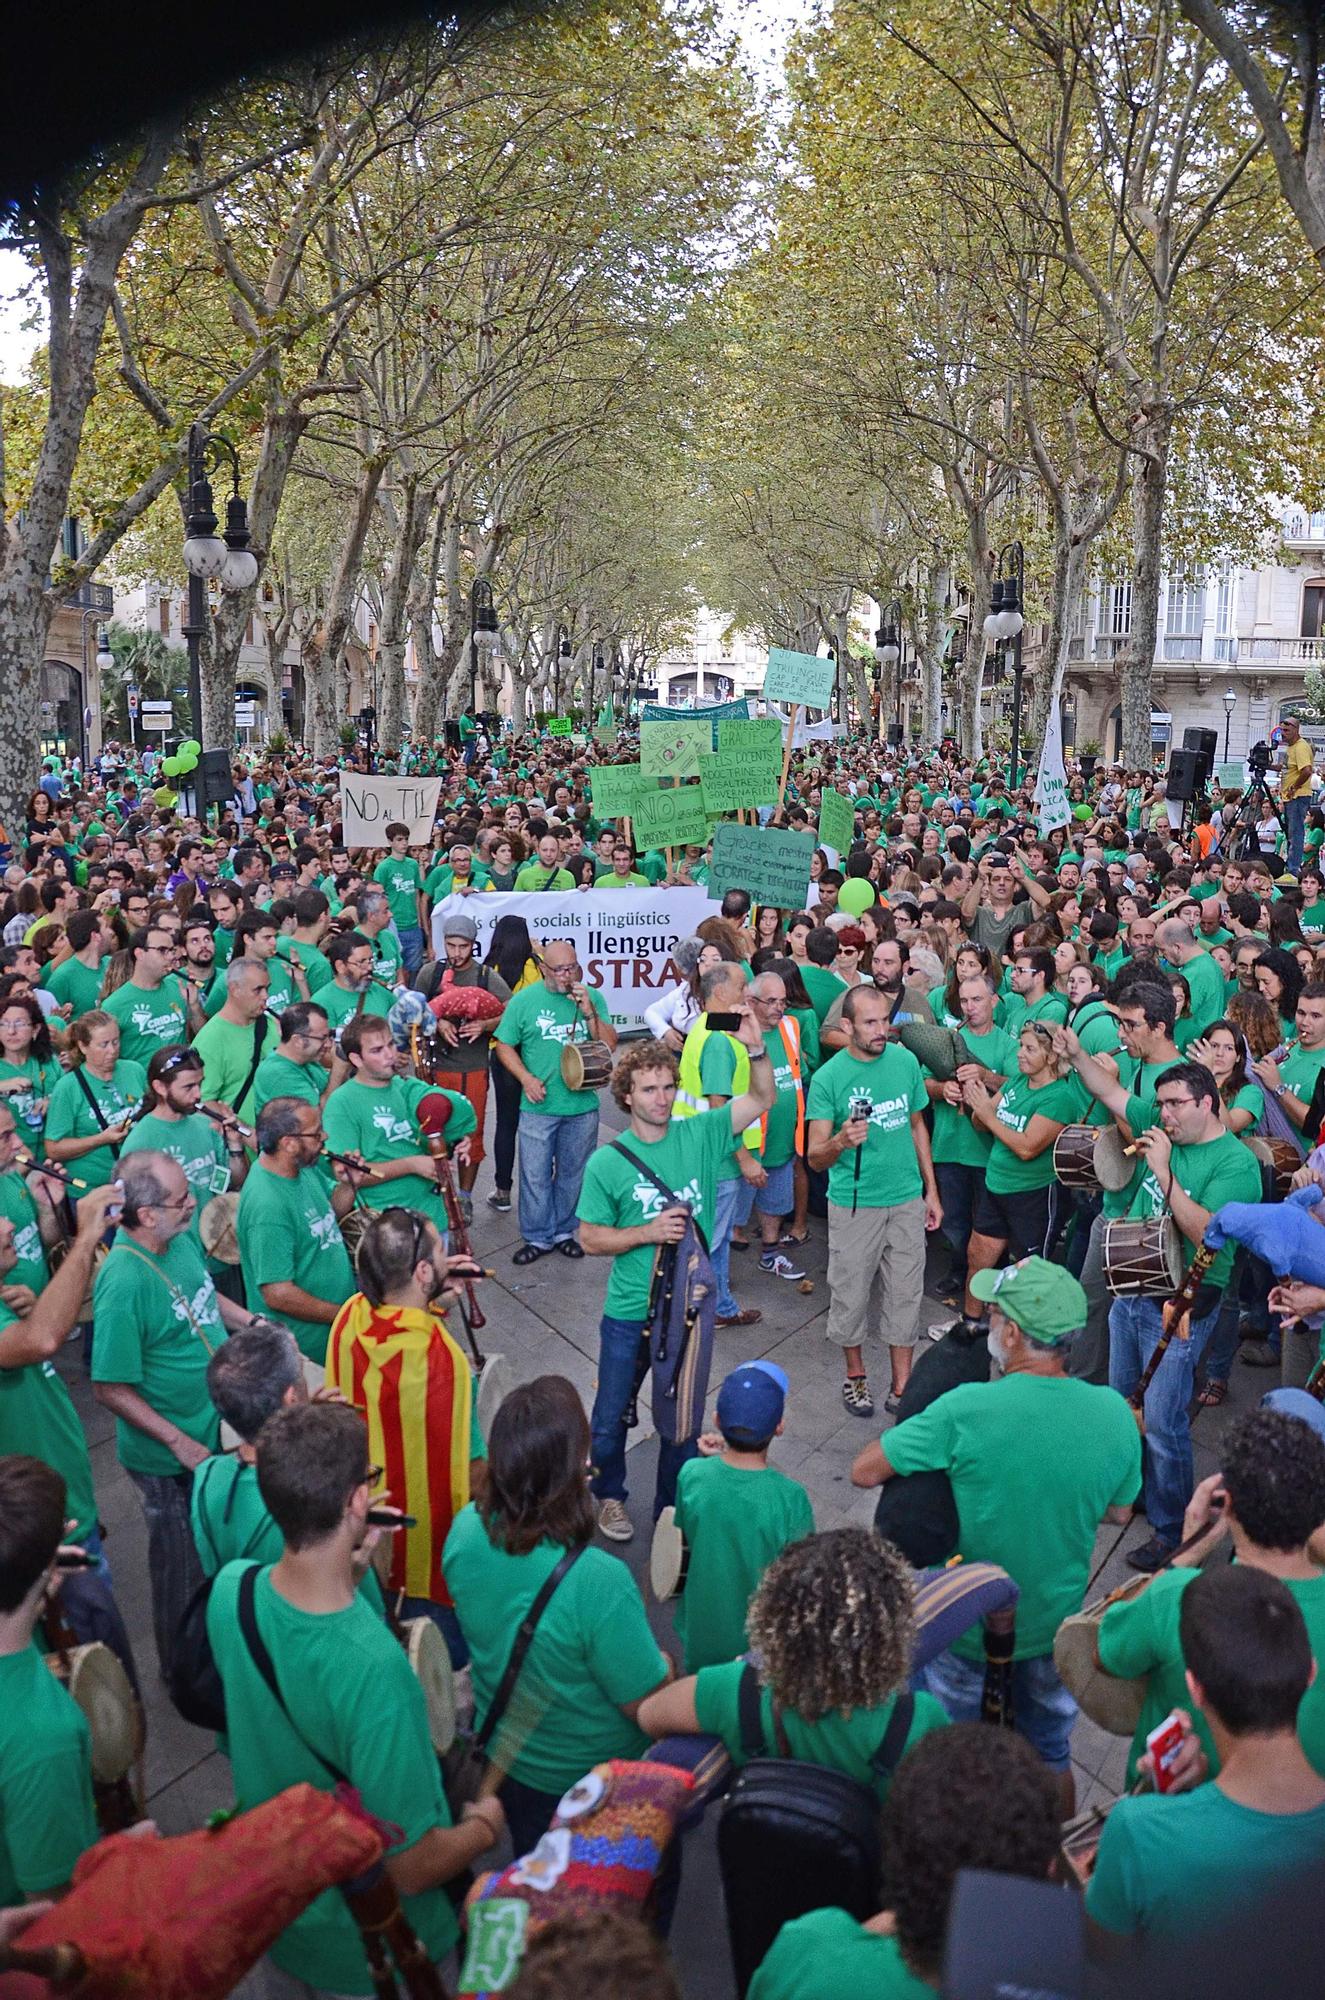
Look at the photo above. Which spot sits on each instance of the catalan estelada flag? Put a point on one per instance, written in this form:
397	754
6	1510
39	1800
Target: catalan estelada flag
401	1368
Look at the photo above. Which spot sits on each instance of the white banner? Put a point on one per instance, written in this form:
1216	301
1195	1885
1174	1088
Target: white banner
624	937
1051	801
368	805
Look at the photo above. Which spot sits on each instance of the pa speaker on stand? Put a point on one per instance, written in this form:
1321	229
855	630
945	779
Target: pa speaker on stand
1186	776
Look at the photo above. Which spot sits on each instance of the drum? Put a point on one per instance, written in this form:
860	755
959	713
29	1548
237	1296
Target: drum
352	1226
669	1558
1074	1157
430	1664
1283	1159
218	1228
494	1386
1143	1260
1114	1164
586	1065
1112	1701
96	1679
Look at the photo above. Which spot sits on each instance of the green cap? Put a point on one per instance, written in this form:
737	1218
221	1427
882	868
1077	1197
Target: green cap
1043	1299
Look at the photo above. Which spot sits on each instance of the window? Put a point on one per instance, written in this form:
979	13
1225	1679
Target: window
163	616
1118	610
1184	606
1313	611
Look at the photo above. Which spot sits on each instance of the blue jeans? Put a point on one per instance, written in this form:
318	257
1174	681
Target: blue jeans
726	1210
1134	1331
554	1153
89	1608
1295	826
618	1360
411	946
173	1568
957	1193
1043	1709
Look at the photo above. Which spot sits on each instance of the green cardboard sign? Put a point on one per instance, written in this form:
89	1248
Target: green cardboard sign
673	749
669	817
1231	777
802	678
837	822
560	725
614	789
747	768
772	865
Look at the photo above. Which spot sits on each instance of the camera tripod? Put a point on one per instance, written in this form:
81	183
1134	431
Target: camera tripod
1238	840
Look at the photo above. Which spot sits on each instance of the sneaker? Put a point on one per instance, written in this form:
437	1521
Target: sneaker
500	1199
892	1403
747	1316
779	1266
614	1522
856	1396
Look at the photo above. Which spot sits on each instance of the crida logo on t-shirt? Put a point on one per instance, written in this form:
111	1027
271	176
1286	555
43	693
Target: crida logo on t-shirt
392	1128
552	1030
199	1307
323	1228
653	1201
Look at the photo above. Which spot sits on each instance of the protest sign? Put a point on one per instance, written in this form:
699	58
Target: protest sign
770	864
1052	805
560	725
1231	777
669	817
715	712
673	749
369	805
615	787
746	768
800	678
837	822
624	938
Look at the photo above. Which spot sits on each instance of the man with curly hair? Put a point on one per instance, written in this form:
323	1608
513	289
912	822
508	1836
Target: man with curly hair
969	1797
831	1626
1268	1500
639	1191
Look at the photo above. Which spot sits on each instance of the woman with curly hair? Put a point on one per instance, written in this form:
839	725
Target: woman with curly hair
592	1659
831	1625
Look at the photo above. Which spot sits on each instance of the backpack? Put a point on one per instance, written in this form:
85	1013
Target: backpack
795	1837
192	1678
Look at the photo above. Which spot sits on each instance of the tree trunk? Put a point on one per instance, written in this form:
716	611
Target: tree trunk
443	550
1135	664
973	666
25	620
929	635
1069	578
414	503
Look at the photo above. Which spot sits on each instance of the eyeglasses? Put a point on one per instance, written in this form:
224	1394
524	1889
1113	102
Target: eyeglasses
181	1201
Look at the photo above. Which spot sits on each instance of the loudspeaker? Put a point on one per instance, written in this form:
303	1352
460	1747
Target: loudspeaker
894	732
1204	740
214	779
1186	775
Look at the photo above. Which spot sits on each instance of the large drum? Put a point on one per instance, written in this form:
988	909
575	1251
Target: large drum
1283	1159
586	1065
1074	1157
218	1226
1143	1260
1115	1159
669	1558
430	1662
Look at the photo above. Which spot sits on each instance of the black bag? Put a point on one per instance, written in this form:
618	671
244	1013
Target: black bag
795	1837
191	1676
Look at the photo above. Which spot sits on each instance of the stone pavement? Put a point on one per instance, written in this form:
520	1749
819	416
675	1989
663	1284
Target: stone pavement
544	1318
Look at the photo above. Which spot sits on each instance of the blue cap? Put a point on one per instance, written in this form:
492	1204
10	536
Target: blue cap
1297	1403
751	1401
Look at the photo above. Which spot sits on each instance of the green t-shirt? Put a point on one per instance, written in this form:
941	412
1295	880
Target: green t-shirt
282	991
842	1740
889	1172
148	1021
1311	917
388	960
957	1138
538	1023
441	880
317	966
1221	1170
823	986
157	1324
19	1205
1171	1866
231	1523
72	1117
1035	1462
1300	1070
827	1955
288	1235
383	1125
37	1416
351	1693
535	876
780	1131
226	1048
279	1077
402	881
196	1145
35	1080
341	1006
1016	1107
1097	1031
723	1072
735	1519
1140	1636
1019	1013
592	1653
47	1818
616	1195
1141	1080
78	985
611	880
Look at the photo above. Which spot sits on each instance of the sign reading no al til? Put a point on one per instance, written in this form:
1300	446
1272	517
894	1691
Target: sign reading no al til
368	805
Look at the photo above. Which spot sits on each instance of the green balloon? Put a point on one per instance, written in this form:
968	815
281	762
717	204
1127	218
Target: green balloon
187	761
855	895
172	767
191	747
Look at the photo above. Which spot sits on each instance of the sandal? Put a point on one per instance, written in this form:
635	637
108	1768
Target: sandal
788	1236
1213	1394
569	1247
529	1253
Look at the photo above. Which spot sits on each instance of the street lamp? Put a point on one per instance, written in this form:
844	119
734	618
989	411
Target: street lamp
594	672
1230	703
1003	625
564	658
484	638
229	562
888	653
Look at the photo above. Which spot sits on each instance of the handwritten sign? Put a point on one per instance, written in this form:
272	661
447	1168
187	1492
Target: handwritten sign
747	766
673	749
560	725
615	787
772	865
670	817
837	822
368	806
798	677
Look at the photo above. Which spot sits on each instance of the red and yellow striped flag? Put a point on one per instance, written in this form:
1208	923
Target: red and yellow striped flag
400	1366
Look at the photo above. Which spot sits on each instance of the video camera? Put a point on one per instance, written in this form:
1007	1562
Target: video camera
1258	759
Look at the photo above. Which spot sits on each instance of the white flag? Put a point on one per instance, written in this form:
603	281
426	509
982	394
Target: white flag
1051	800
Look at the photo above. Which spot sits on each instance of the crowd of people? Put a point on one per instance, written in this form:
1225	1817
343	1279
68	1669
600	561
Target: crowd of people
248	1081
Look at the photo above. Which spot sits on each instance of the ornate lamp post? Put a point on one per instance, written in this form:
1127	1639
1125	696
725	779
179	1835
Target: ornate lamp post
1004	624
207	556
484	637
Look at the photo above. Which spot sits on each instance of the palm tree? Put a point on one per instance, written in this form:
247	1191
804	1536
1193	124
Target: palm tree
150	663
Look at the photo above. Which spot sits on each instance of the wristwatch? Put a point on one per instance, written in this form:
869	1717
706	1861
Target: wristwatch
756	1053
1279	1090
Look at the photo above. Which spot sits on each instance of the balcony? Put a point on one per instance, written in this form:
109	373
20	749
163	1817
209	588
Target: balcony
98	597
1303	530
1299	653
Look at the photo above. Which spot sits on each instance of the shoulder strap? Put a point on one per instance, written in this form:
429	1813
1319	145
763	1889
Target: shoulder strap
259	1044
619	1146
501	1701
122	1243
90	1095
749	1711
262	1660
889	1753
